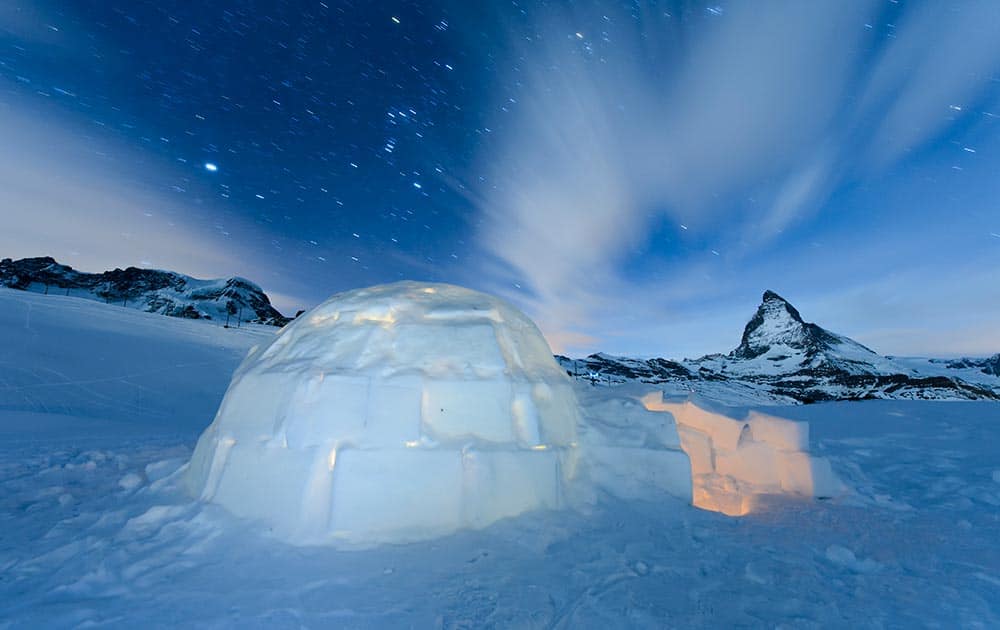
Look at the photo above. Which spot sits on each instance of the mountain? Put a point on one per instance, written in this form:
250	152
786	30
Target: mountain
778	336
234	300
782	358
989	365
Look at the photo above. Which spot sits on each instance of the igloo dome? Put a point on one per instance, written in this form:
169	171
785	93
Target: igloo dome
396	412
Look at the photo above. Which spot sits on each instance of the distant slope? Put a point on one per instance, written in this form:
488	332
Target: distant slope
235	300
989	365
782	358
74	367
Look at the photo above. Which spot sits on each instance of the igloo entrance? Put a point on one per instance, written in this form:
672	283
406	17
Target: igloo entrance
396	412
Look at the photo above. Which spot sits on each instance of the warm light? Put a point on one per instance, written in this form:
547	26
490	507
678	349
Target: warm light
332	461
539	447
386	319
319	320
730	505
411	443
735	460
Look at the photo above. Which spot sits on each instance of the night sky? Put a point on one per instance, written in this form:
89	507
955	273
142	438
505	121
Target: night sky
633	174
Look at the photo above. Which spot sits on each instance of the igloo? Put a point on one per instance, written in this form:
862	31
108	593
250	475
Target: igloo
391	413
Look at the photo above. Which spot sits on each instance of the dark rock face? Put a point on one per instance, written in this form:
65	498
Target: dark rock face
778	322
151	290
783	357
620	369
989	365
882	386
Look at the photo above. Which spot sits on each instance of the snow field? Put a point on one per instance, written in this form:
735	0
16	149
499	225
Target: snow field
96	398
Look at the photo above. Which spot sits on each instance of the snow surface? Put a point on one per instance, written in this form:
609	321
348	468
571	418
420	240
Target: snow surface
392	413
100	409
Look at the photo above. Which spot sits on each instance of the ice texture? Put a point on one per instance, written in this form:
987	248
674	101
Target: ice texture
629	451
396	412
737	457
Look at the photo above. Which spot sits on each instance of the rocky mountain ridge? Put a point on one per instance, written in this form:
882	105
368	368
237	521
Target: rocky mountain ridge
231	300
783	359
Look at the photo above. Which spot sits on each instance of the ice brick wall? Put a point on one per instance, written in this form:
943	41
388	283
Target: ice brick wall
735	459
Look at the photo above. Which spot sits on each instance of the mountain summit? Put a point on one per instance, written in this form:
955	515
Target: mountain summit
779	335
778	323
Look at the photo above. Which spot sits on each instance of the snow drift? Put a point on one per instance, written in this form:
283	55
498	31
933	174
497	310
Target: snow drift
396	412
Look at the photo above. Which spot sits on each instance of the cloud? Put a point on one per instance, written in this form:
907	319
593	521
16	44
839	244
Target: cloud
899	315
737	125
91	202
934	69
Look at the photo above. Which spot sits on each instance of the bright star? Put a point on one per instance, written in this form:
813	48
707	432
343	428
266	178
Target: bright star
210	167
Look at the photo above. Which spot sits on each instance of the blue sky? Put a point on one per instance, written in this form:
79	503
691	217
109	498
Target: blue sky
633	174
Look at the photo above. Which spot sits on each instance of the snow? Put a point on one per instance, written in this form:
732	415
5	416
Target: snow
100	408
846	558
392	413
75	367
935	367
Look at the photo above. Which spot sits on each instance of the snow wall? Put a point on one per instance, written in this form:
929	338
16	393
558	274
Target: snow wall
393	413
629	451
734	460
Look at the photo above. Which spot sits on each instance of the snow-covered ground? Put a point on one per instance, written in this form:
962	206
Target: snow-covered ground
100	407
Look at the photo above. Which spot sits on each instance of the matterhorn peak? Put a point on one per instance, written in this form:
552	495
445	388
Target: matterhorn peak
774	304
778	324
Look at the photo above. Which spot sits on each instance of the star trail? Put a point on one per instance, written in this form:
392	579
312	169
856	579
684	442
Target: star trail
633	174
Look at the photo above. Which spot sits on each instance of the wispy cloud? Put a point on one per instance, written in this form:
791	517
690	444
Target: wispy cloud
936	68
70	191
738	125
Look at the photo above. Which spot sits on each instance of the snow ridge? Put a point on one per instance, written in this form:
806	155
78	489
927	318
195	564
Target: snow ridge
783	359
236	300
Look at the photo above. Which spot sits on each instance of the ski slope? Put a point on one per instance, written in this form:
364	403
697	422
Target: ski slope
100	408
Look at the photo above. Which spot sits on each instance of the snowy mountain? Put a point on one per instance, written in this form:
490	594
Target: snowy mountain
151	290
989	365
777	340
782	358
